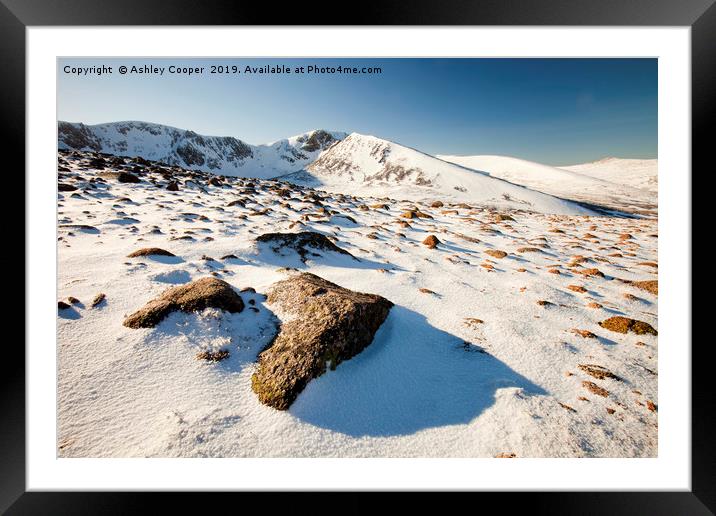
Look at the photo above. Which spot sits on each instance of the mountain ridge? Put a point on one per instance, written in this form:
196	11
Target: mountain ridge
225	155
375	166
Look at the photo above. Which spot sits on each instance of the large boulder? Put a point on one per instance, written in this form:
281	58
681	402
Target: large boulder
329	324
192	297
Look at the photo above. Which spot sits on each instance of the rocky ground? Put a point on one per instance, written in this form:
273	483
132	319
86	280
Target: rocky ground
188	327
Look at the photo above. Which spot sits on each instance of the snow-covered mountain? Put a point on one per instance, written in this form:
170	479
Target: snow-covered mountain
368	165
639	173
372	166
223	155
614	183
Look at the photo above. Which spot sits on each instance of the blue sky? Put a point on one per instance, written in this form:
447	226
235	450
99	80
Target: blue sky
555	111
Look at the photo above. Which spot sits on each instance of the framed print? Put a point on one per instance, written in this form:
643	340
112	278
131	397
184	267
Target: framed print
311	255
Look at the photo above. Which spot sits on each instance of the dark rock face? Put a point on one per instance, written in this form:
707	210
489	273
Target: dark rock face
300	242
192	297
187	147
190	155
333	324
63	187
319	139
173	186
78	136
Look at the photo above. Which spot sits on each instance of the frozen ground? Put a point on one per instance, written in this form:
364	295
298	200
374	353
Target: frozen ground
433	383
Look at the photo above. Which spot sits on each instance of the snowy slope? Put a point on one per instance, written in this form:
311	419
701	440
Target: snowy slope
572	183
372	166
639	173
221	155
468	363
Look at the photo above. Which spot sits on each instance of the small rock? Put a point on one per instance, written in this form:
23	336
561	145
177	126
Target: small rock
213	356
595	389
431	241
591	272
625	324
649	285
97	300
122	177
496	253
598	372
584	333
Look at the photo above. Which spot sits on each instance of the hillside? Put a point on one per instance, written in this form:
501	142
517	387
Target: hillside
569	183
638	173
502	332
372	166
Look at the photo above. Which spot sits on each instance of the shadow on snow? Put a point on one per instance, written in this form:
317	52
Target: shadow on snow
412	377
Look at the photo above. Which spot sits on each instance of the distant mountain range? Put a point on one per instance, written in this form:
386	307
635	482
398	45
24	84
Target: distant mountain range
224	155
367	165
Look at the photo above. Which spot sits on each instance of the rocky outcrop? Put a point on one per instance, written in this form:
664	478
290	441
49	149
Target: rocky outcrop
150	251
192	297
300	242
330	324
317	140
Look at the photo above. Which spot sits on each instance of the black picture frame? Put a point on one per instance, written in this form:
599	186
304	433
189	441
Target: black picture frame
17	15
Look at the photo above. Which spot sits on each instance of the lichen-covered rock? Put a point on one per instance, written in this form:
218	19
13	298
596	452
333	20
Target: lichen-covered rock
192	297
625	324
331	324
300	242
